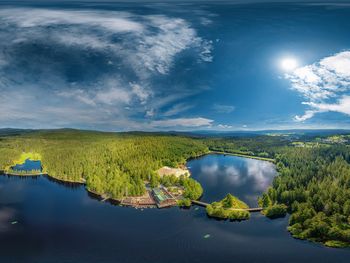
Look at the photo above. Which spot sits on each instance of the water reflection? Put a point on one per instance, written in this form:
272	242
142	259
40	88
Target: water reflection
261	173
58	224
72	185
28	165
243	177
6	214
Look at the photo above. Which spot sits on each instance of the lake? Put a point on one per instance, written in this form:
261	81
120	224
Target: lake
28	165
242	177
58	223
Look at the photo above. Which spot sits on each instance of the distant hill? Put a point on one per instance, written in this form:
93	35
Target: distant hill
300	132
10	131
199	133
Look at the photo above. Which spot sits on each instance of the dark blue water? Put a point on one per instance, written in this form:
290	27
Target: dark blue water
28	165
60	223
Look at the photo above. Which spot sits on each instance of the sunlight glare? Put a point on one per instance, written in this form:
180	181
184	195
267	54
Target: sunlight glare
289	64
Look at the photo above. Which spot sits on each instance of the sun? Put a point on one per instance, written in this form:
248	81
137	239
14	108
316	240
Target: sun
289	63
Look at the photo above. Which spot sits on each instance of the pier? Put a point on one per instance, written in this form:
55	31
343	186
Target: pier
254	209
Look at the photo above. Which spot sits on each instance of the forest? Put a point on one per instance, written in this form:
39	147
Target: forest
111	164
313	184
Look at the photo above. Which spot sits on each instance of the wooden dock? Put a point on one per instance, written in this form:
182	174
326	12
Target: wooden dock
254	209
143	201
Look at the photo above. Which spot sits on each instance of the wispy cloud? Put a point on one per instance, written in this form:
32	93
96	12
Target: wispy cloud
91	67
221	108
33	18
225	126
183	122
176	109
157	51
325	85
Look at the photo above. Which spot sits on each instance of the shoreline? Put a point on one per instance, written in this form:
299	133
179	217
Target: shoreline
115	202
245	156
104	197
24	175
81	182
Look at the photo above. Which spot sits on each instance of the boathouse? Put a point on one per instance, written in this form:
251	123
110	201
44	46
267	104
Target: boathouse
163	198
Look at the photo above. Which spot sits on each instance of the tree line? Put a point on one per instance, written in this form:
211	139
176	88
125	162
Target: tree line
313	184
111	164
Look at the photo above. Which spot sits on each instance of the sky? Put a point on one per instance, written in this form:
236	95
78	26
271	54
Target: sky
174	66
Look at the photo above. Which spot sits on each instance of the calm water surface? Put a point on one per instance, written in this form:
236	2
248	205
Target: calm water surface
243	177
58	223
28	165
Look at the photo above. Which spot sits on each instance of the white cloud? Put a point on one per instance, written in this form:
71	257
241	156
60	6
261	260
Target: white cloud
112	93
325	85
342	105
83	40
102	66
113	96
225	126
158	50
307	115
77	94
30	17
205	21
183	122
176	109
221	108
157	39
150	113
142	93
339	63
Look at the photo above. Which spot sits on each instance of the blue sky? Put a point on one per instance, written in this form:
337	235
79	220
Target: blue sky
174	66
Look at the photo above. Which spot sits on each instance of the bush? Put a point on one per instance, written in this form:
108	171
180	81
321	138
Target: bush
217	211
276	211
184	202
193	189
336	244
231	201
239	215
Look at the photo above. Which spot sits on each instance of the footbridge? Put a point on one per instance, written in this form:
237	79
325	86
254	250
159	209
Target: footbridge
254	209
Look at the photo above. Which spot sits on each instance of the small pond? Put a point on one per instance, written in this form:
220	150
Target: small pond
28	165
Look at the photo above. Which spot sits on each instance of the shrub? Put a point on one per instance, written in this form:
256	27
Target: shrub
276	211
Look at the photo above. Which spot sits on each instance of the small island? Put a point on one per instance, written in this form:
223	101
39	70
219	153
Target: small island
229	208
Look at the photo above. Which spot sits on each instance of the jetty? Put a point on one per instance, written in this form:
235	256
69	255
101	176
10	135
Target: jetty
254	209
143	201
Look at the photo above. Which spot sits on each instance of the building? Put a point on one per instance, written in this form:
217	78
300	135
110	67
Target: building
163	198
